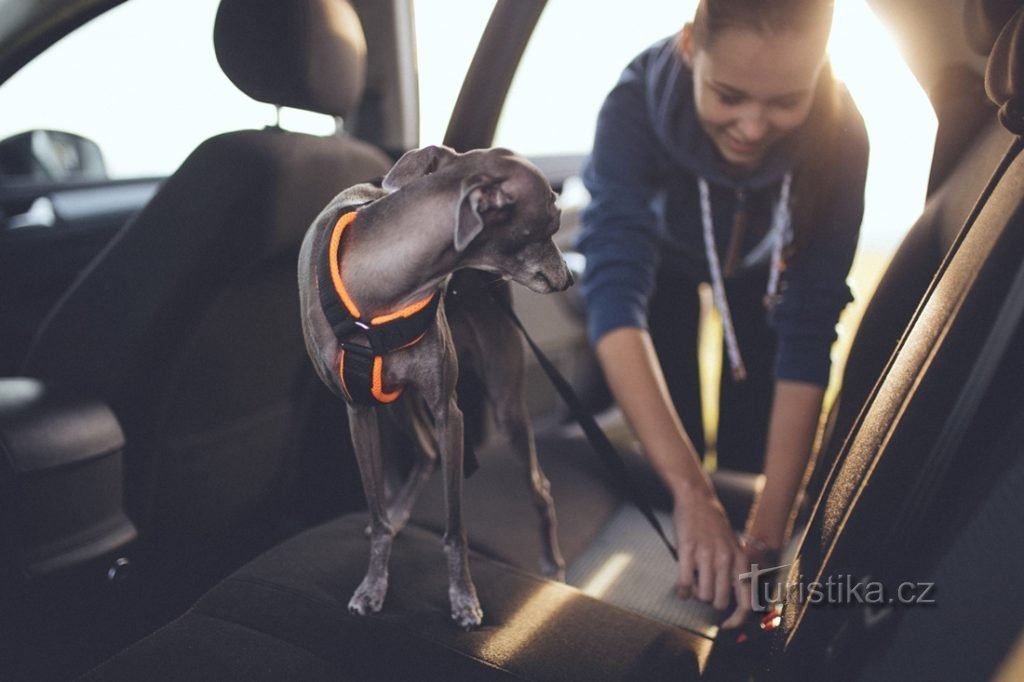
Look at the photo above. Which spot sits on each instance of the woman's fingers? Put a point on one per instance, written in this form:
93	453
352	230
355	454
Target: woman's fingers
726	573
686	568
741	588
711	561
705	574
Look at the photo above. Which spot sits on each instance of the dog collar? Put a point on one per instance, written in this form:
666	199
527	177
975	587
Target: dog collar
361	367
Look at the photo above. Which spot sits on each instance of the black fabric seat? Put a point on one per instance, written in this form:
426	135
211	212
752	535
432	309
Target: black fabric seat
500	518
188	323
284	616
502	523
968	140
901	288
923	486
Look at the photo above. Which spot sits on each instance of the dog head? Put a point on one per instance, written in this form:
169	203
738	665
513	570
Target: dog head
501	207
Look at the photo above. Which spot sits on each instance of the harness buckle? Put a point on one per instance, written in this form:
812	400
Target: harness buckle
357	349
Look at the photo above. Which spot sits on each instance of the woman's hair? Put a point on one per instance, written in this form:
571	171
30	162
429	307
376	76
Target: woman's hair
814	179
761	16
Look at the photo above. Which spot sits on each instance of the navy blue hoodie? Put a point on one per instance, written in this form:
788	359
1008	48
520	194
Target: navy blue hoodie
644	215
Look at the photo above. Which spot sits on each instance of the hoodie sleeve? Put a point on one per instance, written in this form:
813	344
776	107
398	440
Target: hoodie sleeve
815	290
620	232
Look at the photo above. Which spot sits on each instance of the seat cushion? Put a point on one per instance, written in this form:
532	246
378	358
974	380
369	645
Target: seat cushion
285	616
500	518
502	522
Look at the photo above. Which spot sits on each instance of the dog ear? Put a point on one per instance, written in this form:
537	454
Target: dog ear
415	164
480	195
468	221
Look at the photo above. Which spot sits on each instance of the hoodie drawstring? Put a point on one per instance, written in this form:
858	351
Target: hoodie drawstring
779	234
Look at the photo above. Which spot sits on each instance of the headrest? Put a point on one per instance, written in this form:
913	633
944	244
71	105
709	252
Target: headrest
984	19
1004	77
307	54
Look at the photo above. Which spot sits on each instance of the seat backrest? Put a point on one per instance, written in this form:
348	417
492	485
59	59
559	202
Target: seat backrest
968	139
902	287
934	446
188	323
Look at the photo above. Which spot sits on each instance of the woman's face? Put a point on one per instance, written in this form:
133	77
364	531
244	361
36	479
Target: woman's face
752	88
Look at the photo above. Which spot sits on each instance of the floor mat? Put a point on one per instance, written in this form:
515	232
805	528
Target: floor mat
627	565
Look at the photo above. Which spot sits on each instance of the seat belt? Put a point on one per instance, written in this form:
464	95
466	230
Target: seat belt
595	436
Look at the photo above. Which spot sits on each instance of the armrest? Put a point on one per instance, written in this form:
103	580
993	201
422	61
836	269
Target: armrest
60	478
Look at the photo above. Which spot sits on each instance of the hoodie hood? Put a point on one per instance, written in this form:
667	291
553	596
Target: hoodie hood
668	84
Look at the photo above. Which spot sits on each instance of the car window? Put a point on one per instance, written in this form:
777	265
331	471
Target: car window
573	59
447	33
143	83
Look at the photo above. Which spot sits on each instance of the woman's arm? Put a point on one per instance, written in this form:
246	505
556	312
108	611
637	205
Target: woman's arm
791	430
816	293
707	544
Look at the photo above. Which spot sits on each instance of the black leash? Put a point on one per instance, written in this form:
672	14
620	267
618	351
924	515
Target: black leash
595	436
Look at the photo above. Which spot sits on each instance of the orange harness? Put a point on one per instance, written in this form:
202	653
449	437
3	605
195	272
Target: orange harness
361	367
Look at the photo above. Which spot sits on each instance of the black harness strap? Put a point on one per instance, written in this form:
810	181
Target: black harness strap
361	366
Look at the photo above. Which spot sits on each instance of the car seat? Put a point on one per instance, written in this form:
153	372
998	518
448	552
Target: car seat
926	486
967	137
187	324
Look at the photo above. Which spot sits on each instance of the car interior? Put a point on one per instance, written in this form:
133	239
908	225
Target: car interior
179	499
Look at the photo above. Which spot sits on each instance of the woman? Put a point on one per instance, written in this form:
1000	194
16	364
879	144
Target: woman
725	154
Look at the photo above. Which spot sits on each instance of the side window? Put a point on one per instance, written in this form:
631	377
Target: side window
575	56
447	33
142	82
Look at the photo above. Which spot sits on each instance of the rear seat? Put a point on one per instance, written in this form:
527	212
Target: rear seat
284	616
922	489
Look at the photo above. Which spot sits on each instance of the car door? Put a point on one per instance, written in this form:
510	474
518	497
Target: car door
52	223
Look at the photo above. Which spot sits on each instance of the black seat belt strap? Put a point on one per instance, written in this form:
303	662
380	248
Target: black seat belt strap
595	436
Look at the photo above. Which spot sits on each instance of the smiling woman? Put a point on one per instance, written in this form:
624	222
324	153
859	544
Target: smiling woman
553	104
552	109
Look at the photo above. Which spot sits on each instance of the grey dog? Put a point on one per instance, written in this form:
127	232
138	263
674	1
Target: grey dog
435	212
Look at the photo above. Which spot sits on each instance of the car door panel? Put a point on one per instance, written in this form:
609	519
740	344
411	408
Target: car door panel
48	235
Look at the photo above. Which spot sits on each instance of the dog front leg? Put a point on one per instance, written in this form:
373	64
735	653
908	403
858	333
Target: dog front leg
465	605
369	596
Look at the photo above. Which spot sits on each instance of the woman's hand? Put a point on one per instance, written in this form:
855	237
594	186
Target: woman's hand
710	557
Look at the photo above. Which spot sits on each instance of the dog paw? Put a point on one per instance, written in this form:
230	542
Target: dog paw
466	609
368	597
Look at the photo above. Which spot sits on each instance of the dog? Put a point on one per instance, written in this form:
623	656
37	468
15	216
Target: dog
373	268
